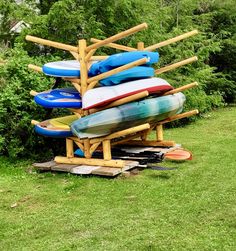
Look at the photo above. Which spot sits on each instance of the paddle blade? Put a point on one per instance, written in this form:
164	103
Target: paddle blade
179	154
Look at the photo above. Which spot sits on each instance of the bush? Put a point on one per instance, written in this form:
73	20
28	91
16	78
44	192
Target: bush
17	107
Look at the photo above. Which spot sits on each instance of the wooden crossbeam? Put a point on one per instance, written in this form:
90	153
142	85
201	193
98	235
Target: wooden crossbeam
121	133
176	65
115	46
179	116
117	37
52	43
171	40
180	89
93	162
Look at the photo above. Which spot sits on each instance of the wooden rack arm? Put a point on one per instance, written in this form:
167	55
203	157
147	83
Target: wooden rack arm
176	65
171	40
118	69
122	101
52	43
89	55
34	122
99	58
179	116
115	46
33	93
180	89
117	36
122	133
35	68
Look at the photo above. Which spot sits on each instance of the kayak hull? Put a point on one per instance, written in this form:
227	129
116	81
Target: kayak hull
128	115
56	128
101	96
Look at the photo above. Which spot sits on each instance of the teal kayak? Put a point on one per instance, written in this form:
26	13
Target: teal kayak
150	110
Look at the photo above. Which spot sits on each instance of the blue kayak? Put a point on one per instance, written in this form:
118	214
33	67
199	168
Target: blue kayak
57	127
59	98
134	73
120	59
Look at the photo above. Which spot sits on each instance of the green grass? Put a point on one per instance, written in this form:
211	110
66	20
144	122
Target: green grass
191	208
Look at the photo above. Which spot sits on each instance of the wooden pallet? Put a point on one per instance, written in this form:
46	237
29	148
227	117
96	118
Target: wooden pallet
85	169
102	170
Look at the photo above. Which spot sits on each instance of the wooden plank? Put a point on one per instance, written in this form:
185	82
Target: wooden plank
45	166
84	169
63	168
109	171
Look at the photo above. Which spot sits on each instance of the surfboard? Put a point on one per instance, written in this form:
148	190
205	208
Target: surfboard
57	127
123	58
59	98
101	96
128	115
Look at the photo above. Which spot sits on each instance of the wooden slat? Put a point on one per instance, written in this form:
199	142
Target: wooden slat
52	43
117	36
159	132
115	46
171	40
176	65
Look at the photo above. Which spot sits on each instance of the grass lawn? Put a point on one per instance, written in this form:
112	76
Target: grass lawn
191	208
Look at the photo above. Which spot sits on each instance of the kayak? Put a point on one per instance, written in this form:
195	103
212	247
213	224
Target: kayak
101	96
123	58
134	73
59	98
128	115
57	127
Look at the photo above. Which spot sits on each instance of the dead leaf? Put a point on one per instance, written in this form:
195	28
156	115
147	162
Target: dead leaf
14	205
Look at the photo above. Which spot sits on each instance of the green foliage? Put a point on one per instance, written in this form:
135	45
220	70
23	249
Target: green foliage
69	20
17	107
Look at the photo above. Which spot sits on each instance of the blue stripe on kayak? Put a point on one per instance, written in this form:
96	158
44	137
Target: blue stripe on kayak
50	133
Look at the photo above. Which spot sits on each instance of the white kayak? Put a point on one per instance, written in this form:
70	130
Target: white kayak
101	96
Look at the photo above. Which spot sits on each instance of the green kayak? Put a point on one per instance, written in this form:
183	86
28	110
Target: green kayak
150	110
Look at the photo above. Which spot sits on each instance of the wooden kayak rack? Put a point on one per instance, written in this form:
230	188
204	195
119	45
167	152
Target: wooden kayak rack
137	135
